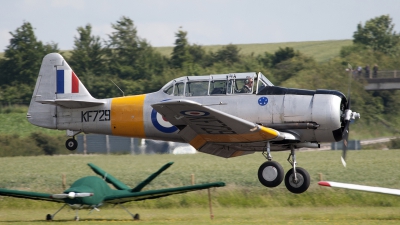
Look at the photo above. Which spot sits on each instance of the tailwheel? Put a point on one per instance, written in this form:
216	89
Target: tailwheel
270	174
71	144
297	182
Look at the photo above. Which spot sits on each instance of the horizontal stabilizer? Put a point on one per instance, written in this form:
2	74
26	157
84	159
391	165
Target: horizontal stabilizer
108	177
73	103
151	177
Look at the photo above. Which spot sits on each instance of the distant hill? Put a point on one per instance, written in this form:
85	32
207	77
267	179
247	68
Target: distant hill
321	50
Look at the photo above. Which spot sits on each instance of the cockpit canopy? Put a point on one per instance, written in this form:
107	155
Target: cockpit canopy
217	84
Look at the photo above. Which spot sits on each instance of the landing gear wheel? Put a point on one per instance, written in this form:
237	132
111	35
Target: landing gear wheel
76	218
136	217
270	174
302	183
49	217
71	144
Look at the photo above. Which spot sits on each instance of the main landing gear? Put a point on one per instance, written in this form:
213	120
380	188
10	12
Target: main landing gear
270	173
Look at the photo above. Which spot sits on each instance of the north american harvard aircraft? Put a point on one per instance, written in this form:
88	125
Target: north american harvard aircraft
91	192
226	115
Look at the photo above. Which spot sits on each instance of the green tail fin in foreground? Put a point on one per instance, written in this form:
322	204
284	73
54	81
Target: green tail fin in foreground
140	186
108	177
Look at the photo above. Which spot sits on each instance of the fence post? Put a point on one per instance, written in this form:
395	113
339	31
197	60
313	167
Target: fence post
84	144
108	144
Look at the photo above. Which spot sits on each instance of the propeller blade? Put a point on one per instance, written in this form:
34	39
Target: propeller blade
345	142
71	195
59	196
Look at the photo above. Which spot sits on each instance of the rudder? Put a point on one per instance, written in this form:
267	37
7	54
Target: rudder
57	85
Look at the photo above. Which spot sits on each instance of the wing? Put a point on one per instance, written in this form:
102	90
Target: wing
216	132
139	196
360	187
29	195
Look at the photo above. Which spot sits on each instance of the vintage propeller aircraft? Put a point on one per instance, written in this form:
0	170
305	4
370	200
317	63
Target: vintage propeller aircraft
91	192
226	115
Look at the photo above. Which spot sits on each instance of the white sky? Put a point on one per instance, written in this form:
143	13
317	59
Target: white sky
208	22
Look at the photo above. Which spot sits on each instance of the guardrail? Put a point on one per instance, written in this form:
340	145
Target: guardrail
379	74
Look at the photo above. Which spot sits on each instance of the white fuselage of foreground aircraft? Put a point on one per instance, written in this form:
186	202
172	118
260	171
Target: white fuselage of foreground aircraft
226	115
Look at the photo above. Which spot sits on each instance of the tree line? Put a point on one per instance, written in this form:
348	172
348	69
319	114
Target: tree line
131	62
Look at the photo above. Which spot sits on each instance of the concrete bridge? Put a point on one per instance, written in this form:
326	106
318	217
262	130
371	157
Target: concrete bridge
383	80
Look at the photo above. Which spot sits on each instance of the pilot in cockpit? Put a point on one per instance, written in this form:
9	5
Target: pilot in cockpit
248	85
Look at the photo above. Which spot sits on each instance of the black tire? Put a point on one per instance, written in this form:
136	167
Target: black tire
270	174
71	144
303	181
49	217
136	217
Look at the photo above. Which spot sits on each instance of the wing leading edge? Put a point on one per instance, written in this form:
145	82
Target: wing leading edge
152	194
29	195
360	187
216	132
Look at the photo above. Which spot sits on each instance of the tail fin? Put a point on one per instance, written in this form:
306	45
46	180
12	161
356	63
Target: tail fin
140	186
108	177
57	85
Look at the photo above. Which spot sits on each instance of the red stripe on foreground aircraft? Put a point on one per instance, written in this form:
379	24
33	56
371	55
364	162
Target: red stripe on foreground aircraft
225	115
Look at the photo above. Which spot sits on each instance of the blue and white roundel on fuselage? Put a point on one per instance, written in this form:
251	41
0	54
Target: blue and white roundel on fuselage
161	124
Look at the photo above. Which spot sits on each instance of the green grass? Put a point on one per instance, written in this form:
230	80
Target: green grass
275	215
369	167
16	123
242	201
321	50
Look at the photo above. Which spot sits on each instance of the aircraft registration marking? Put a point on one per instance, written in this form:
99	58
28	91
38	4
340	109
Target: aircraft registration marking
95	115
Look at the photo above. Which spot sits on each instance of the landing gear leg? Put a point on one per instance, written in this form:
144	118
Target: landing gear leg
270	173
76	215
51	217
297	179
134	216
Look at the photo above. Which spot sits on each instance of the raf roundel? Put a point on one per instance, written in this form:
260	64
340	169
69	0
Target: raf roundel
194	113
161	124
263	101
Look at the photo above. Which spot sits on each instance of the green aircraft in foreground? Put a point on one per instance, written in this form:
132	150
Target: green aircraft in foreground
92	192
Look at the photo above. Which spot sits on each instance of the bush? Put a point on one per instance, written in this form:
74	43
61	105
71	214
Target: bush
395	143
35	144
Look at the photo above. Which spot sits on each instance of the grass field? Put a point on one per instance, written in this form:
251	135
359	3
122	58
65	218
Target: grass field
321	50
242	201
273	215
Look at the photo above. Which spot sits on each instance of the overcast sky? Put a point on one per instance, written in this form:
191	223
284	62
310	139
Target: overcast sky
208	22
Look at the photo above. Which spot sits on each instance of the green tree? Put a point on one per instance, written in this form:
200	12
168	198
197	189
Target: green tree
284	54
23	57
131	56
19	68
181	52
378	33
88	55
228	54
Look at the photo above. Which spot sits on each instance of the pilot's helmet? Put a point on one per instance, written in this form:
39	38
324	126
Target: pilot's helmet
248	80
